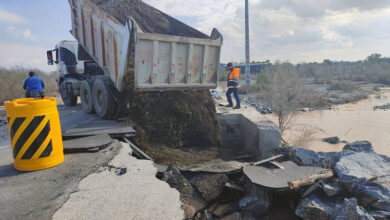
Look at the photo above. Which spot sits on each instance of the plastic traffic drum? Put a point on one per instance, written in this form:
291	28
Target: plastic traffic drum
35	133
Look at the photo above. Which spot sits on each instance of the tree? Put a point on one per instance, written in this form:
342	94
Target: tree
283	94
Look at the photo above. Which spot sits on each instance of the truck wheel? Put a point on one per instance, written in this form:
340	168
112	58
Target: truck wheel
103	102
67	96
86	97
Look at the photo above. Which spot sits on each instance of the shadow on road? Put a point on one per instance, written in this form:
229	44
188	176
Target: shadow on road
8	171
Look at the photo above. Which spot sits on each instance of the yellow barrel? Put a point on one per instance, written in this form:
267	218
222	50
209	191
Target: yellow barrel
35	133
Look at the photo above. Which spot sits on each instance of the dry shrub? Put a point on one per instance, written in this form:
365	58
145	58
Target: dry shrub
12	79
307	136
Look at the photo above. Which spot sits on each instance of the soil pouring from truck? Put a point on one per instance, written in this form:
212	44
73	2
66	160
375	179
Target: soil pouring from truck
107	52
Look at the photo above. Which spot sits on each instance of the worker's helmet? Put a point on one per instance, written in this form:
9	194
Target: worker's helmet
229	64
31	73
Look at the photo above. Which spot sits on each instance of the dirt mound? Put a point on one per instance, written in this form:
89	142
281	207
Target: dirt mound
175	118
148	18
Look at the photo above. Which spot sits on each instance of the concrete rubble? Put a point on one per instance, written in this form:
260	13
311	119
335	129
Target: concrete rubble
136	194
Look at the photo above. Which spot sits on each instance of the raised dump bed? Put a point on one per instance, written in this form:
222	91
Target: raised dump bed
131	38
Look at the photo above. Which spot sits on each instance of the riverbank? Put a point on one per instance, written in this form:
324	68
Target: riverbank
350	122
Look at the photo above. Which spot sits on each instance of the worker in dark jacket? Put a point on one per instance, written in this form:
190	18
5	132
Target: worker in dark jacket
34	85
233	77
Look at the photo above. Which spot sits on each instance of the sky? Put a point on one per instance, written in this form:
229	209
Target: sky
285	30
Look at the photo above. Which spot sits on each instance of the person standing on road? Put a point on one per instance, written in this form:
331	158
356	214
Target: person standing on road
233	77
34	84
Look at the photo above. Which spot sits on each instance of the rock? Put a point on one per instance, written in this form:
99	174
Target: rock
313	207
374	193
369	173
210	186
359	146
380	215
305	157
331	158
331	140
350	210
257	201
226	209
192	200
362	165
302	157
234	216
331	188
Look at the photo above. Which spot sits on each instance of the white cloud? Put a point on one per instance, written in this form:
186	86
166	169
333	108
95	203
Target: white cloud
17	33
27	34
295	30
25	55
11	18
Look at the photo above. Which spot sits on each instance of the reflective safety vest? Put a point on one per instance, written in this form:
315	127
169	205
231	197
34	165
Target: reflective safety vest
234	74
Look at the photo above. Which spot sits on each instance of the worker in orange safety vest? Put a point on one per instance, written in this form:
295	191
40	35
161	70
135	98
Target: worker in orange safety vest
233	78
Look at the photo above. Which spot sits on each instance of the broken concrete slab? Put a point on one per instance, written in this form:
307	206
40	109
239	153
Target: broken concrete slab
216	166
89	131
191	198
210	186
278	178
136	194
87	144
260	139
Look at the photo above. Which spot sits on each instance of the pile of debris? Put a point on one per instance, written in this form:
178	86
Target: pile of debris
297	186
173	118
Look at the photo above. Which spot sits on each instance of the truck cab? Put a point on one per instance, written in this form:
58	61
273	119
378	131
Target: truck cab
73	65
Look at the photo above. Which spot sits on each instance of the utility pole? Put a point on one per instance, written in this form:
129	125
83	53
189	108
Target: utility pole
247	58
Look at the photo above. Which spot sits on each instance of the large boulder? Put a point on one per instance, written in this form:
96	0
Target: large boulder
359	146
331	140
350	210
362	165
257	201
305	157
368	175
313	207
192	200
374	193
380	215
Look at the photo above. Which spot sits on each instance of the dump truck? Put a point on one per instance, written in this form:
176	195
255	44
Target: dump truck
141	48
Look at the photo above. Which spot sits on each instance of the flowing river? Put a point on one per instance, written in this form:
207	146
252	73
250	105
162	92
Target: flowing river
350	122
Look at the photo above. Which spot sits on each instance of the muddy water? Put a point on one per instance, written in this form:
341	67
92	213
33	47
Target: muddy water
350	122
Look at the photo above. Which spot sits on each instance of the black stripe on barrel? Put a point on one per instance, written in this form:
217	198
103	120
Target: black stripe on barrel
47	150
15	126
32	149
26	134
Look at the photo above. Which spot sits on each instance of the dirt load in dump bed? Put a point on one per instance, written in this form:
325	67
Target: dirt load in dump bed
172	118
149	19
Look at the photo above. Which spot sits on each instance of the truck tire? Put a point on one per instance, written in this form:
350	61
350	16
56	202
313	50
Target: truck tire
86	97
68	97
103	102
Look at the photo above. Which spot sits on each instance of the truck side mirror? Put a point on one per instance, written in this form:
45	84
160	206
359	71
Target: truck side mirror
50	60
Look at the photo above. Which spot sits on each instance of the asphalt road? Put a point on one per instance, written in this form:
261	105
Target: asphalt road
37	195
